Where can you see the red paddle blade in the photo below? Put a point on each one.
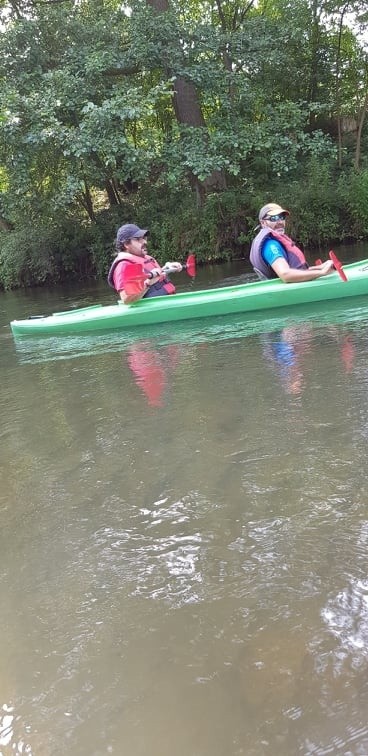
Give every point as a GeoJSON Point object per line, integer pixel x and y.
{"type": "Point", "coordinates": [190, 265]}
{"type": "Point", "coordinates": [338, 266]}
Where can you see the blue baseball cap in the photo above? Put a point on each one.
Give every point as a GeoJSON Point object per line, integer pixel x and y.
{"type": "Point", "coordinates": [129, 231]}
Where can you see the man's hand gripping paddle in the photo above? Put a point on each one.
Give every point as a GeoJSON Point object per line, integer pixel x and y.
{"type": "Point", "coordinates": [337, 265]}
{"type": "Point", "coordinates": [134, 278]}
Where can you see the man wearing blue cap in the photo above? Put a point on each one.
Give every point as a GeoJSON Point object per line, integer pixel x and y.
{"type": "Point", "coordinates": [134, 273]}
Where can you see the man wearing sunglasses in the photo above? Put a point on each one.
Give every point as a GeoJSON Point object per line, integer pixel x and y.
{"type": "Point", "coordinates": [274, 255]}
{"type": "Point", "coordinates": [134, 273]}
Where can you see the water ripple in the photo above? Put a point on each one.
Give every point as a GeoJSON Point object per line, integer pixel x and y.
{"type": "Point", "coordinates": [346, 616]}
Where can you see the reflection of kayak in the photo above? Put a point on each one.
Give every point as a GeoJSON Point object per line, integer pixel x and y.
{"type": "Point", "coordinates": [193, 332]}
{"type": "Point", "coordinates": [253, 298]}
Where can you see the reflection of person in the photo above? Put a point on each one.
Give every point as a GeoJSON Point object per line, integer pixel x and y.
{"type": "Point", "coordinates": [131, 247]}
{"type": "Point", "coordinates": [290, 349]}
{"type": "Point", "coordinates": [273, 254]}
{"type": "Point", "coordinates": [152, 369]}
{"type": "Point", "coordinates": [287, 350]}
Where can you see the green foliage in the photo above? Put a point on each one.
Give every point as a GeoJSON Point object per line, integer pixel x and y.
{"type": "Point", "coordinates": [25, 258]}
{"type": "Point", "coordinates": [90, 138]}
{"type": "Point", "coordinates": [353, 189]}
{"type": "Point", "coordinates": [35, 256]}
{"type": "Point", "coordinates": [216, 231]}
{"type": "Point", "coordinates": [315, 204]}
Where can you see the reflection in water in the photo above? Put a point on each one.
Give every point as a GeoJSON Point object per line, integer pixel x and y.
{"type": "Point", "coordinates": [6, 725]}
{"type": "Point", "coordinates": [346, 615]}
{"type": "Point", "coordinates": [347, 352]}
{"type": "Point", "coordinates": [152, 368]}
{"type": "Point", "coordinates": [8, 735]}
{"type": "Point", "coordinates": [290, 350]}
{"type": "Point", "coordinates": [287, 350]}
{"type": "Point", "coordinates": [164, 555]}
{"type": "Point", "coordinates": [212, 329]}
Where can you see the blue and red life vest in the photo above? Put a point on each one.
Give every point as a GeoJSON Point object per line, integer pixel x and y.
{"type": "Point", "coordinates": [160, 288]}
{"type": "Point", "coordinates": [293, 255]}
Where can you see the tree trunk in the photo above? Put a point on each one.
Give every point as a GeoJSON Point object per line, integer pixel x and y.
{"type": "Point", "coordinates": [337, 87]}
{"type": "Point", "coordinates": [188, 113]}
{"type": "Point", "coordinates": [112, 192]}
{"type": "Point", "coordinates": [230, 24]}
{"type": "Point", "coordinates": [186, 104]}
{"type": "Point", "coordinates": [5, 225]}
{"type": "Point", "coordinates": [313, 76]}
{"type": "Point", "coordinates": [86, 201]}
{"type": "Point", "coordinates": [362, 115]}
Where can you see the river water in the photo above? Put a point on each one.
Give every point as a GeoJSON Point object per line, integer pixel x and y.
{"type": "Point", "coordinates": [184, 535]}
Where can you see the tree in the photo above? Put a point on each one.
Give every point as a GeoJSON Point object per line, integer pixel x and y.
{"type": "Point", "coordinates": [106, 109]}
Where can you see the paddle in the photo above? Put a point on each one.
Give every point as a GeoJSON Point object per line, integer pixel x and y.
{"type": "Point", "coordinates": [189, 266]}
{"type": "Point", "coordinates": [134, 277]}
{"type": "Point", "coordinates": [338, 266]}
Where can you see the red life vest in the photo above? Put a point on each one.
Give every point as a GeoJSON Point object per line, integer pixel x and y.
{"type": "Point", "coordinates": [161, 287]}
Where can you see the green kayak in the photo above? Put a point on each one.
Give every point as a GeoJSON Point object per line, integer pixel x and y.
{"type": "Point", "coordinates": [254, 297]}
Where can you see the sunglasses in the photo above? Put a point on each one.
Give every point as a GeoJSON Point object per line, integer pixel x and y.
{"type": "Point", "coordinates": [274, 218]}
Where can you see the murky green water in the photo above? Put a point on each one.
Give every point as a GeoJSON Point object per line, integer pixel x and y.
{"type": "Point", "coordinates": [184, 538]}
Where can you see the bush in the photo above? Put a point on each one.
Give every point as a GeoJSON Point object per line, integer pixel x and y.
{"type": "Point", "coordinates": [25, 258]}
{"type": "Point", "coordinates": [31, 256]}
{"type": "Point", "coordinates": [353, 189]}
{"type": "Point", "coordinates": [215, 232]}
{"type": "Point", "coordinates": [315, 205]}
